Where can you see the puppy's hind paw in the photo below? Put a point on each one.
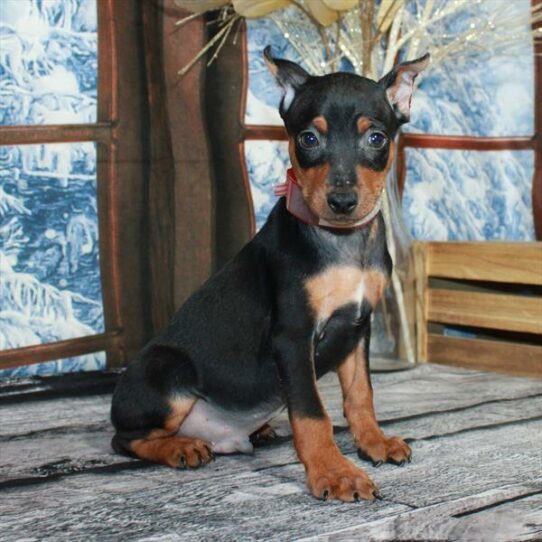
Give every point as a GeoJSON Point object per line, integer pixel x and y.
{"type": "Point", "coordinates": [264, 435]}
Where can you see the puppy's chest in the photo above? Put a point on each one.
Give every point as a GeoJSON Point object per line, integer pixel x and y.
{"type": "Point", "coordinates": [338, 286]}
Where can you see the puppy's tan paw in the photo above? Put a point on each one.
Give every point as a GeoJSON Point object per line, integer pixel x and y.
{"type": "Point", "coordinates": [381, 449]}
{"type": "Point", "coordinates": [342, 481]}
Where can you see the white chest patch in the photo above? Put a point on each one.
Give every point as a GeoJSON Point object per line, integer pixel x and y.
{"type": "Point", "coordinates": [335, 287]}
{"type": "Point", "coordinates": [227, 431]}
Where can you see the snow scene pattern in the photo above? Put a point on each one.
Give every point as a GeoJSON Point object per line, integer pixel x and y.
{"type": "Point", "coordinates": [49, 258]}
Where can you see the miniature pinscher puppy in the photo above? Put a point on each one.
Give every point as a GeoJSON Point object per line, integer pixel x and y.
{"type": "Point", "coordinates": [294, 304]}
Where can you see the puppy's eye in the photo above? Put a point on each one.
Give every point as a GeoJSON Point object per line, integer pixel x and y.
{"type": "Point", "coordinates": [377, 140]}
{"type": "Point", "coordinates": [308, 140]}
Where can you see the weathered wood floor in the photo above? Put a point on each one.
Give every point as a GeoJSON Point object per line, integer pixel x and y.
{"type": "Point", "coordinates": [476, 472]}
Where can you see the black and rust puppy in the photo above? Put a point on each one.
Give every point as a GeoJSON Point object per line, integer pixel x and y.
{"type": "Point", "coordinates": [294, 304]}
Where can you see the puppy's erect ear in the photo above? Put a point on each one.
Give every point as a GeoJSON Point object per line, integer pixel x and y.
{"type": "Point", "coordinates": [289, 75]}
{"type": "Point", "coordinates": [399, 84]}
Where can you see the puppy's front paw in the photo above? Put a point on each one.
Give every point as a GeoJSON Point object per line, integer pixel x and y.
{"type": "Point", "coordinates": [381, 449]}
{"type": "Point", "coordinates": [341, 480]}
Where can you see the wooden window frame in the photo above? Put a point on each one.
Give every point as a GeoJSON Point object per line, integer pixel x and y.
{"type": "Point", "coordinates": [116, 141]}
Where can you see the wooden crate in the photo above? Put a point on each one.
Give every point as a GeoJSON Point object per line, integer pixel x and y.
{"type": "Point", "coordinates": [489, 291]}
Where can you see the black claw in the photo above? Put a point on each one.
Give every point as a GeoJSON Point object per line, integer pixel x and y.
{"type": "Point", "coordinates": [325, 495]}
{"type": "Point", "coordinates": [356, 496]}
{"type": "Point", "coordinates": [211, 453]}
{"type": "Point", "coordinates": [377, 495]}
{"type": "Point", "coordinates": [365, 457]}
{"type": "Point", "coordinates": [409, 459]}
{"type": "Point", "coordinates": [183, 462]}
{"type": "Point", "coordinates": [398, 463]}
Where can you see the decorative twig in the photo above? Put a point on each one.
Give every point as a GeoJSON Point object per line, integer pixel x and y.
{"type": "Point", "coordinates": [225, 30]}
{"type": "Point", "coordinates": [336, 55]}
{"type": "Point", "coordinates": [188, 18]}
{"type": "Point", "coordinates": [321, 30]}
{"type": "Point", "coordinates": [228, 28]}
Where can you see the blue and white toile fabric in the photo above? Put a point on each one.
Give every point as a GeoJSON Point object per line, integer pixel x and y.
{"type": "Point", "coordinates": [449, 195]}
{"type": "Point", "coordinates": [49, 261]}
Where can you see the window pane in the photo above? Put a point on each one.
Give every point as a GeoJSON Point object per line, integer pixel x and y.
{"type": "Point", "coordinates": [88, 362]}
{"type": "Point", "coordinates": [48, 62]}
{"type": "Point", "coordinates": [49, 257]}
{"type": "Point", "coordinates": [467, 195]}
{"type": "Point", "coordinates": [267, 162]}
{"type": "Point", "coordinates": [486, 94]}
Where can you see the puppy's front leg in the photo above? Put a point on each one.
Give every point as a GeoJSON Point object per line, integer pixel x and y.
{"type": "Point", "coordinates": [372, 443]}
{"type": "Point", "coordinates": [330, 475]}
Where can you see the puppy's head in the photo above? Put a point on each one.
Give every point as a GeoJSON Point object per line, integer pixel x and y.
{"type": "Point", "coordinates": [341, 129]}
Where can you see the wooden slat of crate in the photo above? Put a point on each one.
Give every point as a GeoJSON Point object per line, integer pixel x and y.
{"type": "Point", "coordinates": [505, 357]}
{"type": "Point", "coordinates": [494, 311]}
{"type": "Point", "coordinates": [517, 263]}
{"type": "Point", "coordinates": [420, 252]}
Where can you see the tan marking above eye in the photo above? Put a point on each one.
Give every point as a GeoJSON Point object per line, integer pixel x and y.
{"type": "Point", "coordinates": [363, 124]}
{"type": "Point", "coordinates": [320, 123]}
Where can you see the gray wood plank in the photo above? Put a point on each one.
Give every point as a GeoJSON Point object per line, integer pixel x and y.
{"type": "Point", "coordinates": [430, 388]}
{"type": "Point", "coordinates": [462, 464]}
{"type": "Point", "coordinates": [88, 447]}
{"type": "Point", "coordinates": [520, 519]}
{"type": "Point", "coordinates": [405, 393]}
{"type": "Point", "coordinates": [75, 447]}
{"type": "Point", "coordinates": [504, 514]}
{"type": "Point", "coordinates": [473, 434]}
{"type": "Point", "coordinates": [247, 506]}
{"type": "Point", "coordinates": [268, 502]}
{"type": "Point", "coordinates": [38, 416]}
{"type": "Point", "coordinates": [14, 390]}
{"type": "Point", "coordinates": [465, 463]}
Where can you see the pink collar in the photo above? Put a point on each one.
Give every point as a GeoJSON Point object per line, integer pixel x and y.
{"type": "Point", "coordinates": [295, 203]}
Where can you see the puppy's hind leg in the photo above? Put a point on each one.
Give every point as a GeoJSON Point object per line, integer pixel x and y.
{"type": "Point", "coordinates": [162, 445]}
{"type": "Point", "coordinates": [151, 401]}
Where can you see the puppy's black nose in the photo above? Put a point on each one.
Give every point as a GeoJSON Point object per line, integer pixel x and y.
{"type": "Point", "coordinates": [342, 202]}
